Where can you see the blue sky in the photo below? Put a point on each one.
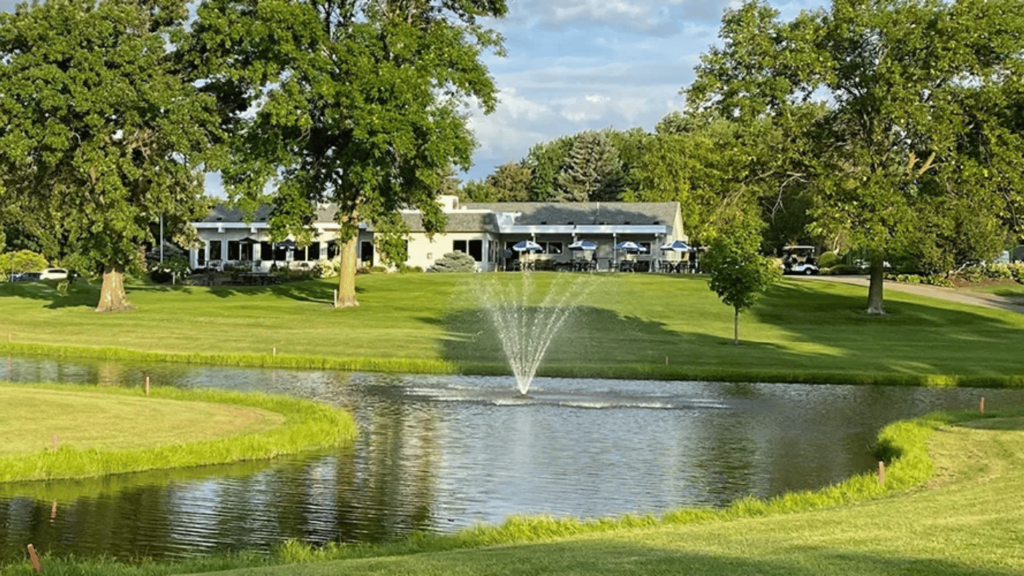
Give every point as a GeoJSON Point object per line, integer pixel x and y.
{"type": "Point", "coordinates": [575, 65]}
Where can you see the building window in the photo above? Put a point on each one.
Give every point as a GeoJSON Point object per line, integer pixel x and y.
{"type": "Point", "coordinates": [313, 251]}
{"type": "Point", "coordinates": [459, 246]}
{"type": "Point", "coordinates": [266, 251]}
{"type": "Point", "coordinates": [201, 257]}
{"type": "Point", "coordinates": [234, 250]}
{"type": "Point", "coordinates": [552, 247]}
{"type": "Point", "coordinates": [646, 246]}
{"type": "Point", "coordinates": [476, 250]}
{"type": "Point", "coordinates": [332, 249]}
{"type": "Point", "coordinates": [215, 250]}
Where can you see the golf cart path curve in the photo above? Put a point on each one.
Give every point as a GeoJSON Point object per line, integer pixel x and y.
{"type": "Point", "coordinates": [951, 294]}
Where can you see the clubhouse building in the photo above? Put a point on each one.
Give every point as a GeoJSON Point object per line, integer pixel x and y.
{"type": "Point", "coordinates": [485, 231]}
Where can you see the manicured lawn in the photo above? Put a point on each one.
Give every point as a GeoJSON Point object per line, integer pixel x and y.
{"type": "Point", "coordinates": [1008, 289]}
{"type": "Point", "coordinates": [102, 431]}
{"type": "Point", "coordinates": [30, 417]}
{"type": "Point", "coordinates": [636, 325]}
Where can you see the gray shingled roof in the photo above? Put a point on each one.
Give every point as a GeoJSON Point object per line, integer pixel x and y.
{"type": "Point", "coordinates": [225, 213]}
{"type": "Point", "coordinates": [457, 222]}
{"type": "Point", "coordinates": [586, 213]}
{"type": "Point", "coordinates": [475, 218]}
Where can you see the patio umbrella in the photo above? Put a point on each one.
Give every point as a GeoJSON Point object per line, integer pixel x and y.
{"type": "Point", "coordinates": [288, 244]}
{"type": "Point", "coordinates": [582, 245]}
{"type": "Point", "coordinates": [527, 246]}
{"type": "Point", "coordinates": [675, 246]}
{"type": "Point", "coordinates": [629, 247]}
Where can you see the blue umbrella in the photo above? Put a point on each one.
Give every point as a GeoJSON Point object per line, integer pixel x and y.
{"type": "Point", "coordinates": [583, 245]}
{"type": "Point", "coordinates": [676, 246]}
{"type": "Point", "coordinates": [527, 246]}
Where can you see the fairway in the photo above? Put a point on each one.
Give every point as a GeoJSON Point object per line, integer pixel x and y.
{"type": "Point", "coordinates": [623, 326]}
{"type": "Point", "coordinates": [29, 418]}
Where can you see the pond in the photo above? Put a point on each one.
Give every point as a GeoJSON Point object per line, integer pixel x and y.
{"type": "Point", "coordinates": [438, 453]}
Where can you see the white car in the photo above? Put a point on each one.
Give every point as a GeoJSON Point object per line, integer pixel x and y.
{"type": "Point", "coordinates": [53, 274]}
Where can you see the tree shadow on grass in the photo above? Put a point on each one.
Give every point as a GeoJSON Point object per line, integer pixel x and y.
{"type": "Point", "coordinates": [612, 557]}
{"type": "Point", "coordinates": [796, 328]}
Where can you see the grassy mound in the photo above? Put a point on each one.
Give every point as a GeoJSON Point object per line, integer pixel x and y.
{"type": "Point", "coordinates": [103, 431]}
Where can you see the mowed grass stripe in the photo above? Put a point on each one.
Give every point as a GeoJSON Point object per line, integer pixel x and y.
{"type": "Point", "coordinates": [624, 326]}
{"type": "Point", "coordinates": [29, 418]}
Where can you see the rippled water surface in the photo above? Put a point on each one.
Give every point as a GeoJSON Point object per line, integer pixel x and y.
{"type": "Point", "coordinates": [440, 453]}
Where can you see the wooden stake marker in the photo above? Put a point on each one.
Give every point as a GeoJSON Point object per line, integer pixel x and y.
{"type": "Point", "coordinates": [53, 509]}
{"type": "Point", "coordinates": [35, 559]}
{"type": "Point", "coordinates": [56, 442]}
{"type": "Point", "coordinates": [275, 350]}
{"type": "Point", "coordinates": [881, 473]}
{"type": "Point", "coordinates": [147, 385]}
{"type": "Point", "coordinates": [981, 406]}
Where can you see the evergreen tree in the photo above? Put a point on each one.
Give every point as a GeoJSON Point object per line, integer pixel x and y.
{"type": "Point", "coordinates": [592, 171]}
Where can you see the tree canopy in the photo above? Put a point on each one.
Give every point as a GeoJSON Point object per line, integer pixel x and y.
{"type": "Point", "coordinates": [914, 136]}
{"type": "Point", "coordinates": [353, 102]}
{"type": "Point", "coordinates": [101, 130]}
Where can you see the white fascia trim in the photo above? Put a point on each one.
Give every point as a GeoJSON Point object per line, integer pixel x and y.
{"type": "Point", "coordinates": [231, 225]}
{"type": "Point", "coordinates": [607, 229]}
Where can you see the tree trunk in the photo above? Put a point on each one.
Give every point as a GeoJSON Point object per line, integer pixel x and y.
{"type": "Point", "coordinates": [347, 274]}
{"type": "Point", "coordinates": [112, 294]}
{"type": "Point", "coordinates": [876, 305]}
{"type": "Point", "coordinates": [736, 326]}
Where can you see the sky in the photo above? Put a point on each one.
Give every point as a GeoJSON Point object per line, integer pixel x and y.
{"type": "Point", "coordinates": [575, 65]}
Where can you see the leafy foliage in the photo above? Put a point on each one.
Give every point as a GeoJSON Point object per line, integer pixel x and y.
{"type": "Point", "coordinates": [101, 130]}
{"type": "Point", "coordinates": [353, 103]}
{"type": "Point", "coordinates": [915, 153]}
{"type": "Point", "coordinates": [20, 261]}
{"type": "Point", "coordinates": [739, 274]}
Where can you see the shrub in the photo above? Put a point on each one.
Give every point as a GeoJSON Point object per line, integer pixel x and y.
{"type": "Point", "coordinates": [404, 268]}
{"type": "Point", "coordinates": [19, 262]}
{"type": "Point", "coordinates": [828, 260]}
{"type": "Point", "coordinates": [841, 270]}
{"type": "Point", "coordinates": [168, 270]}
{"type": "Point", "coordinates": [1017, 271]}
{"type": "Point", "coordinates": [455, 262]}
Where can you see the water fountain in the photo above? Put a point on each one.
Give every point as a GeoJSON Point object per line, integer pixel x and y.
{"type": "Point", "coordinates": [525, 326]}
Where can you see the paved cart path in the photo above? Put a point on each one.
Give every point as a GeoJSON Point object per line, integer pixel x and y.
{"type": "Point", "coordinates": [950, 294]}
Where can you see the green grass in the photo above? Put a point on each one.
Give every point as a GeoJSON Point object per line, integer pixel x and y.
{"type": "Point", "coordinates": [1008, 289]}
{"type": "Point", "coordinates": [116, 430]}
{"type": "Point", "coordinates": [628, 326]}
{"type": "Point", "coordinates": [950, 506]}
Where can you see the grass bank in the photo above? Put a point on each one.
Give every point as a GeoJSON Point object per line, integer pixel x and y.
{"type": "Point", "coordinates": [949, 506]}
{"type": "Point", "coordinates": [113, 431]}
{"type": "Point", "coordinates": [624, 326]}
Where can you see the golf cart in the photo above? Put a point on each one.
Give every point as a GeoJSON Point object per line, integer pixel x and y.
{"type": "Point", "coordinates": [799, 260]}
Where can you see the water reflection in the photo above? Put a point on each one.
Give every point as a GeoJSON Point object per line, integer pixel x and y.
{"type": "Point", "coordinates": [440, 453]}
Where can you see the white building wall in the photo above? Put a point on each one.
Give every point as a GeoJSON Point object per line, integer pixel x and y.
{"type": "Point", "coordinates": [424, 251]}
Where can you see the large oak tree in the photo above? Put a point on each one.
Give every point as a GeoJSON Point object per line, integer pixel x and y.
{"type": "Point", "coordinates": [101, 131]}
{"type": "Point", "coordinates": [354, 102]}
{"type": "Point", "coordinates": [913, 129]}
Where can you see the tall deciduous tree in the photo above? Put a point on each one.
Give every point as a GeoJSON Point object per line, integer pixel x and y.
{"type": "Point", "coordinates": [101, 131]}
{"type": "Point", "coordinates": [355, 102]}
{"type": "Point", "coordinates": [911, 87]}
